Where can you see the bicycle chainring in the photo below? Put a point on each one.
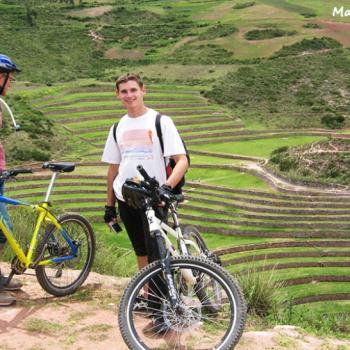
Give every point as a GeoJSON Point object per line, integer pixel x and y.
{"type": "Point", "coordinates": [17, 266]}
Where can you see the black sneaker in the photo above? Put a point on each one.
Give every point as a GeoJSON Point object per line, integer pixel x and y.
{"type": "Point", "coordinates": [12, 286]}
{"type": "Point", "coordinates": [157, 327]}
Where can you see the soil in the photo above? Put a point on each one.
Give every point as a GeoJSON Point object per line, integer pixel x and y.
{"type": "Point", "coordinates": [91, 12]}
{"type": "Point", "coordinates": [338, 30]}
{"type": "Point", "coordinates": [88, 320]}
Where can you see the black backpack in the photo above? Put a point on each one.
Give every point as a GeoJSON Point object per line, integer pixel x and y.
{"type": "Point", "coordinates": [171, 165]}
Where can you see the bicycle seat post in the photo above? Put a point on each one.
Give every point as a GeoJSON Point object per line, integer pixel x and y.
{"type": "Point", "coordinates": [49, 189]}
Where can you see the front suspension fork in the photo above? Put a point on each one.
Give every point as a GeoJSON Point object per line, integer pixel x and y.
{"type": "Point", "coordinates": [165, 260]}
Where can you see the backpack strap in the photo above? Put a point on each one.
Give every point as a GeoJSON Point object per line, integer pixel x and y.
{"type": "Point", "coordinates": [115, 131]}
{"type": "Point", "coordinates": [159, 132]}
{"type": "Point", "coordinates": [160, 135]}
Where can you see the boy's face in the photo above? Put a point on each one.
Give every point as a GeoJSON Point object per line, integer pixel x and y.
{"type": "Point", "coordinates": [131, 94]}
{"type": "Point", "coordinates": [8, 83]}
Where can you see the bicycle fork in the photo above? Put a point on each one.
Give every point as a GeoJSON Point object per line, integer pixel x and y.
{"type": "Point", "coordinates": [164, 256]}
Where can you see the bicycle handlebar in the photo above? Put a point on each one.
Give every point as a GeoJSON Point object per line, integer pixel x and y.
{"type": "Point", "coordinates": [6, 174]}
{"type": "Point", "coordinates": [152, 184]}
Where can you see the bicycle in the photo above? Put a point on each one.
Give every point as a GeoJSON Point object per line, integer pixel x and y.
{"type": "Point", "coordinates": [182, 290]}
{"type": "Point", "coordinates": [61, 250]}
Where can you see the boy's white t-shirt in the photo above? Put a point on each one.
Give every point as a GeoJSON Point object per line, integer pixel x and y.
{"type": "Point", "coordinates": [138, 144]}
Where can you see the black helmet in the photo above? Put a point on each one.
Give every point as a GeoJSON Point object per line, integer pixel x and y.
{"type": "Point", "coordinates": [7, 65]}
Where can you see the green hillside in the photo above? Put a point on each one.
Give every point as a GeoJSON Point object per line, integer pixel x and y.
{"type": "Point", "coordinates": [246, 82]}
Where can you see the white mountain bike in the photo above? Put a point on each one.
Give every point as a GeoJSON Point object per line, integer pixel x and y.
{"type": "Point", "coordinates": [193, 302]}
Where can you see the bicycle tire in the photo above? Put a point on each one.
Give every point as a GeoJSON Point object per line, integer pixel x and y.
{"type": "Point", "coordinates": [202, 333]}
{"type": "Point", "coordinates": [207, 291]}
{"type": "Point", "coordinates": [64, 278]}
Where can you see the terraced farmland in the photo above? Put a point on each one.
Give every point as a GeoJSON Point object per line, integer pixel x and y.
{"type": "Point", "coordinates": [301, 234]}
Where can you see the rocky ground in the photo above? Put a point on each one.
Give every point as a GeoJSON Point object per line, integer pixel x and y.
{"type": "Point", "coordinates": [88, 320]}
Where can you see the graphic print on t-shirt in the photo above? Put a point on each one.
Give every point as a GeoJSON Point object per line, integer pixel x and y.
{"type": "Point", "coordinates": [136, 144]}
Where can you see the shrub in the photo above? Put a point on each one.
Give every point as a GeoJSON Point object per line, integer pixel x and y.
{"type": "Point", "coordinates": [260, 290]}
{"type": "Point", "coordinates": [315, 44]}
{"type": "Point", "coordinates": [312, 26]}
{"type": "Point", "coordinates": [261, 34]}
{"type": "Point", "coordinates": [333, 121]}
{"type": "Point", "coordinates": [243, 5]}
{"type": "Point", "coordinates": [218, 31]}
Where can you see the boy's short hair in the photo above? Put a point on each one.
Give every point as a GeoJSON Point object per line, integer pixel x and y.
{"type": "Point", "coordinates": [130, 76]}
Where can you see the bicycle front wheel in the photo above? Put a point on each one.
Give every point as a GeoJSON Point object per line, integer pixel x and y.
{"type": "Point", "coordinates": [71, 252]}
{"type": "Point", "coordinates": [189, 326]}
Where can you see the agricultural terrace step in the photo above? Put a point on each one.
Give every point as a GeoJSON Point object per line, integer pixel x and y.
{"type": "Point", "coordinates": [321, 297]}
{"type": "Point", "coordinates": [150, 90]}
{"type": "Point", "coordinates": [270, 132]}
{"type": "Point", "coordinates": [229, 122]}
{"type": "Point", "coordinates": [226, 155]}
{"type": "Point", "coordinates": [276, 210]}
{"type": "Point", "coordinates": [282, 224]}
{"type": "Point", "coordinates": [114, 117]}
{"type": "Point", "coordinates": [111, 89]}
{"type": "Point", "coordinates": [257, 137]}
{"type": "Point", "coordinates": [61, 100]}
{"type": "Point", "coordinates": [295, 265]}
{"type": "Point", "coordinates": [270, 256]}
{"type": "Point", "coordinates": [198, 130]}
{"type": "Point", "coordinates": [58, 192]}
{"type": "Point", "coordinates": [274, 202]}
{"type": "Point", "coordinates": [274, 234]}
{"type": "Point", "coordinates": [314, 279]}
{"type": "Point", "coordinates": [30, 186]}
{"type": "Point", "coordinates": [118, 108]}
{"type": "Point", "coordinates": [284, 244]}
{"type": "Point", "coordinates": [61, 176]}
{"type": "Point", "coordinates": [310, 218]}
{"type": "Point", "coordinates": [297, 195]}
{"type": "Point", "coordinates": [120, 112]}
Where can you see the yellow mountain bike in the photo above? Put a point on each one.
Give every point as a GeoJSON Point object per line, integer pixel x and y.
{"type": "Point", "coordinates": [61, 250]}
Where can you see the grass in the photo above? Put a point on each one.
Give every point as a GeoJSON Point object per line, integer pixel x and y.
{"type": "Point", "coordinates": [331, 318]}
{"type": "Point", "coordinates": [257, 148]}
{"type": "Point", "coordinates": [42, 326]}
{"type": "Point", "coordinates": [229, 178]}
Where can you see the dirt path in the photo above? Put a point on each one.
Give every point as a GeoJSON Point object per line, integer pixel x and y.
{"type": "Point", "coordinates": [88, 321]}
{"type": "Point", "coordinates": [283, 184]}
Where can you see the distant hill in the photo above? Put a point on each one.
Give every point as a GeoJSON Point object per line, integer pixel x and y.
{"type": "Point", "coordinates": [65, 40]}
{"type": "Point", "coordinates": [291, 92]}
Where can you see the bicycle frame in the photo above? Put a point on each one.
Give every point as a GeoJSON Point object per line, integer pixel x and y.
{"type": "Point", "coordinates": [45, 216]}
{"type": "Point", "coordinates": [176, 233]}
{"type": "Point", "coordinates": [157, 228]}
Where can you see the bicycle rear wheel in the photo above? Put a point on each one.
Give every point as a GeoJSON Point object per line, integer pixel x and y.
{"type": "Point", "coordinates": [189, 326]}
{"type": "Point", "coordinates": [208, 291]}
{"type": "Point", "coordinates": [71, 251]}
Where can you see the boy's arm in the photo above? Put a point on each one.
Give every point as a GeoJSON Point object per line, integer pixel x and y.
{"type": "Point", "coordinates": [111, 175]}
{"type": "Point", "coordinates": [179, 170]}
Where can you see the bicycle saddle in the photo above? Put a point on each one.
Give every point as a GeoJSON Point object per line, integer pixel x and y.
{"type": "Point", "coordinates": [59, 167]}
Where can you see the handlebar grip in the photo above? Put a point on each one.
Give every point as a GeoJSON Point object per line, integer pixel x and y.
{"type": "Point", "coordinates": [22, 171]}
{"type": "Point", "coordinates": [143, 172]}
